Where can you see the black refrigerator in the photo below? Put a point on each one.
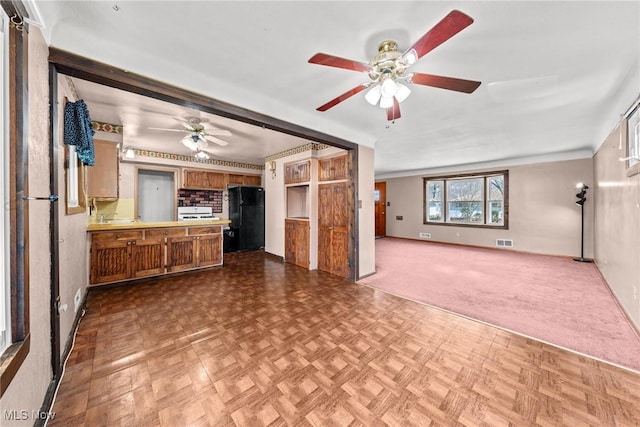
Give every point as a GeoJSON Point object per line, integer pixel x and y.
{"type": "Point", "coordinates": [246, 212]}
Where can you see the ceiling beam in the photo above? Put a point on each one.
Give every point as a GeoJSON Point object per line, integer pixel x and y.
{"type": "Point", "coordinates": [101, 73]}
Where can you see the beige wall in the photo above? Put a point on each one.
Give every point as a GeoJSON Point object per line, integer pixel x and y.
{"type": "Point", "coordinates": [543, 216]}
{"type": "Point", "coordinates": [72, 246]}
{"type": "Point", "coordinates": [366, 213]}
{"type": "Point", "coordinates": [28, 388]}
{"type": "Point", "coordinates": [617, 225]}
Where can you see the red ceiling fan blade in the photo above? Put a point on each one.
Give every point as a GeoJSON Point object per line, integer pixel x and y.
{"type": "Point", "coordinates": [451, 83]}
{"type": "Point", "coordinates": [334, 61]}
{"type": "Point", "coordinates": [448, 27]}
{"type": "Point", "coordinates": [393, 112]}
{"type": "Point", "coordinates": [348, 94]}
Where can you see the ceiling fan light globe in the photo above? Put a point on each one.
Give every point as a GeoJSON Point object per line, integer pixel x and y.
{"type": "Point", "coordinates": [386, 101]}
{"type": "Point", "coordinates": [389, 88]}
{"type": "Point", "coordinates": [374, 94]}
{"type": "Point", "coordinates": [190, 144]}
{"type": "Point", "coordinates": [402, 93]}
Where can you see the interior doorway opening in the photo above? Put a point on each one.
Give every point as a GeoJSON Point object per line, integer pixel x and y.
{"type": "Point", "coordinates": [156, 195]}
{"type": "Point", "coordinates": [380, 204]}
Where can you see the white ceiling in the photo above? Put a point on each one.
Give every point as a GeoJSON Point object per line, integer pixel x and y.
{"type": "Point", "coordinates": [138, 114]}
{"type": "Point", "coordinates": [555, 75]}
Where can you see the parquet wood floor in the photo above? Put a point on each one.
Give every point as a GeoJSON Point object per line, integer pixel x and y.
{"type": "Point", "coordinates": [262, 343]}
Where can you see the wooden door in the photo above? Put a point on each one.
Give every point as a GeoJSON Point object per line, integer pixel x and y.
{"type": "Point", "coordinates": [380, 202]}
{"type": "Point", "coordinates": [110, 261]}
{"type": "Point", "coordinates": [333, 229]}
{"type": "Point", "coordinates": [340, 231]}
{"type": "Point", "coordinates": [181, 253]}
{"type": "Point", "coordinates": [147, 257]}
{"type": "Point", "coordinates": [290, 241]}
{"type": "Point", "coordinates": [339, 252]}
{"type": "Point", "coordinates": [209, 250]}
{"type": "Point", "coordinates": [302, 243]}
{"type": "Point", "coordinates": [325, 222]}
{"type": "Point", "coordinates": [324, 170]}
{"type": "Point", "coordinates": [339, 166]}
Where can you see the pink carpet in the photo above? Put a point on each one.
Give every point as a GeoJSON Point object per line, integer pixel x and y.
{"type": "Point", "coordinates": [553, 299]}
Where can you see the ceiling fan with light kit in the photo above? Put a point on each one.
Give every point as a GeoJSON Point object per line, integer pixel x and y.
{"type": "Point", "coordinates": [198, 137]}
{"type": "Point", "coordinates": [387, 70]}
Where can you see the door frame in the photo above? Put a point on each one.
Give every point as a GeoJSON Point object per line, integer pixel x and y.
{"type": "Point", "coordinates": [174, 171]}
{"type": "Point", "coordinates": [384, 205]}
{"type": "Point", "coordinates": [105, 74]}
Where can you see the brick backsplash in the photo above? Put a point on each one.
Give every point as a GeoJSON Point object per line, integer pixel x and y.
{"type": "Point", "coordinates": [201, 198]}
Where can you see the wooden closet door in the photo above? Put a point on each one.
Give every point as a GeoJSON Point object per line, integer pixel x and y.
{"type": "Point", "coordinates": [333, 226]}
{"type": "Point", "coordinates": [340, 231]}
{"type": "Point", "coordinates": [325, 221]}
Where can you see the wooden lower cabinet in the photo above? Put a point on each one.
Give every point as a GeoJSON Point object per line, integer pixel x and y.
{"type": "Point", "coordinates": [116, 260]}
{"type": "Point", "coordinates": [209, 250]}
{"type": "Point", "coordinates": [296, 246]}
{"type": "Point", "coordinates": [333, 229]}
{"type": "Point", "coordinates": [181, 254]}
{"type": "Point", "coordinates": [147, 257]}
{"type": "Point", "coordinates": [194, 251]}
{"type": "Point", "coordinates": [110, 261]}
{"type": "Point", "coordinates": [119, 256]}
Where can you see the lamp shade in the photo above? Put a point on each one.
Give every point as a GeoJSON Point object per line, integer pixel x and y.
{"type": "Point", "coordinates": [389, 88]}
{"type": "Point", "coordinates": [373, 96]}
{"type": "Point", "coordinates": [402, 93]}
{"type": "Point", "coordinates": [190, 143]}
{"type": "Point", "coordinates": [386, 101]}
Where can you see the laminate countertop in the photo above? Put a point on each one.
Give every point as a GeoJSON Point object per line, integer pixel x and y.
{"type": "Point", "coordinates": [138, 225]}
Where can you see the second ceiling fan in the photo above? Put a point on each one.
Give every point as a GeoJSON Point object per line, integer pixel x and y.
{"type": "Point", "coordinates": [388, 68]}
{"type": "Point", "coordinates": [197, 138]}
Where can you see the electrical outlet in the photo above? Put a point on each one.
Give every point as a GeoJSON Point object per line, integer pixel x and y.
{"type": "Point", "coordinates": [76, 301]}
{"type": "Point", "coordinates": [425, 235]}
{"type": "Point", "coordinates": [635, 293]}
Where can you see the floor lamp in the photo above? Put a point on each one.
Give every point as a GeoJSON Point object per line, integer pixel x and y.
{"type": "Point", "coordinates": [582, 197]}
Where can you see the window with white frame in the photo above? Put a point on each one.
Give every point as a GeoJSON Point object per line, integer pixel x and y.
{"type": "Point", "coordinates": [5, 289]}
{"type": "Point", "coordinates": [469, 200]}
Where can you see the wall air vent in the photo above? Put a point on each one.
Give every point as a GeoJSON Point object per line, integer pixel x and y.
{"type": "Point", "coordinates": [504, 243]}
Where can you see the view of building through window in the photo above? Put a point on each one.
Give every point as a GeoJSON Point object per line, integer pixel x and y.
{"type": "Point", "coordinates": [471, 199]}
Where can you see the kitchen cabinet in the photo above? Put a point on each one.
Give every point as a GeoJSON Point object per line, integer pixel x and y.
{"type": "Point", "coordinates": [297, 172]}
{"type": "Point", "coordinates": [333, 229]}
{"type": "Point", "coordinates": [103, 176]}
{"type": "Point", "coordinates": [130, 254]}
{"type": "Point", "coordinates": [333, 169]}
{"type": "Point", "coordinates": [125, 255]}
{"type": "Point", "coordinates": [202, 247]}
{"type": "Point", "coordinates": [200, 179]}
{"type": "Point", "coordinates": [235, 179]}
{"type": "Point", "coordinates": [296, 250]}
{"type": "Point", "coordinates": [251, 180]}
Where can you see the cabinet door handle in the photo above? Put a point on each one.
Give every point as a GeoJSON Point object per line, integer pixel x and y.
{"type": "Point", "coordinates": [133, 243]}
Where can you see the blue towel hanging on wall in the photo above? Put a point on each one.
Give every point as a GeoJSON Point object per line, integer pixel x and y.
{"type": "Point", "coordinates": [78, 130]}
